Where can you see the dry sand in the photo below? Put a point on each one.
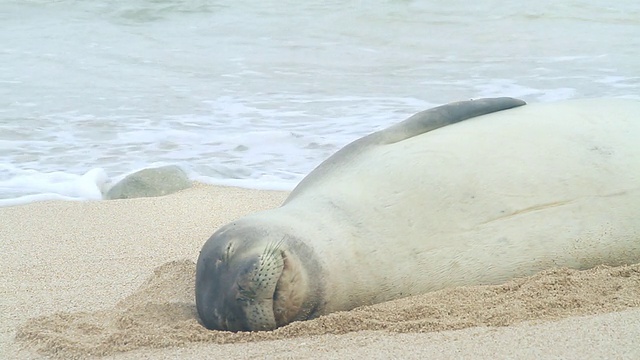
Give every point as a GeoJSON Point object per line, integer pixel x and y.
{"type": "Point", "coordinates": [114, 279]}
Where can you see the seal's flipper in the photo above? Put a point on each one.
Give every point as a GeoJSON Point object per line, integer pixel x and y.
{"type": "Point", "coordinates": [417, 124]}
{"type": "Point", "coordinates": [444, 115]}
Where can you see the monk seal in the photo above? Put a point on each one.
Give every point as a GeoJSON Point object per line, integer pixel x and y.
{"type": "Point", "coordinates": [474, 192]}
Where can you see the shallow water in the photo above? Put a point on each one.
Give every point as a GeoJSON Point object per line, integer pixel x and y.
{"type": "Point", "coordinates": [257, 94]}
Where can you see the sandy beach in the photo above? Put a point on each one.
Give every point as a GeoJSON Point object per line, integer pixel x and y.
{"type": "Point", "coordinates": [114, 279]}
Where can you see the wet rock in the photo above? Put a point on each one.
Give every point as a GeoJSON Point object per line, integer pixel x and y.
{"type": "Point", "coordinates": [149, 183]}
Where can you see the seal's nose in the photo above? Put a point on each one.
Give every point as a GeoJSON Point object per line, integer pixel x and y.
{"type": "Point", "coordinates": [218, 306]}
{"type": "Point", "coordinates": [205, 294]}
{"type": "Point", "coordinates": [218, 301]}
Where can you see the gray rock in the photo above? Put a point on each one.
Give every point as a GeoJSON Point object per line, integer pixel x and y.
{"type": "Point", "coordinates": [149, 183]}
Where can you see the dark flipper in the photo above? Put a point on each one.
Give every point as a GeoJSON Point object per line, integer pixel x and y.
{"type": "Point", "coordinates": [444, 115]}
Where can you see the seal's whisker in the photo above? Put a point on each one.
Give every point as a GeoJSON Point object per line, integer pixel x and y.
{"type": "Point", "coordinates": [269, 266]}
{"type": "Point", "coordinates": [272, 249]}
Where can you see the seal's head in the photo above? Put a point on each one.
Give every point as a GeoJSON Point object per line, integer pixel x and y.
{"type": "Point", "coordinates": [248, 278]}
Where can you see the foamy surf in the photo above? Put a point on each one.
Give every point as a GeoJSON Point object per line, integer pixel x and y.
{"type": "Point", "coordinates": [95, 183]}
{"type": "Point", "coordinates": [58, 185]}
{"type": "Point", "coordinates": [123, 86]}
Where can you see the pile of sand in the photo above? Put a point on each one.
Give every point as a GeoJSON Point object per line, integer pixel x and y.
{"type": "Point", "coordinates": [161, 313]}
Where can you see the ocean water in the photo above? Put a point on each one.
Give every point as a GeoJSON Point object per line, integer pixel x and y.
{"type": "Point", "coordinates": [257, 93]}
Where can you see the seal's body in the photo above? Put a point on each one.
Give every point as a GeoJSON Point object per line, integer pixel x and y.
{"type": "Point", "coordinates": [430, 203]}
